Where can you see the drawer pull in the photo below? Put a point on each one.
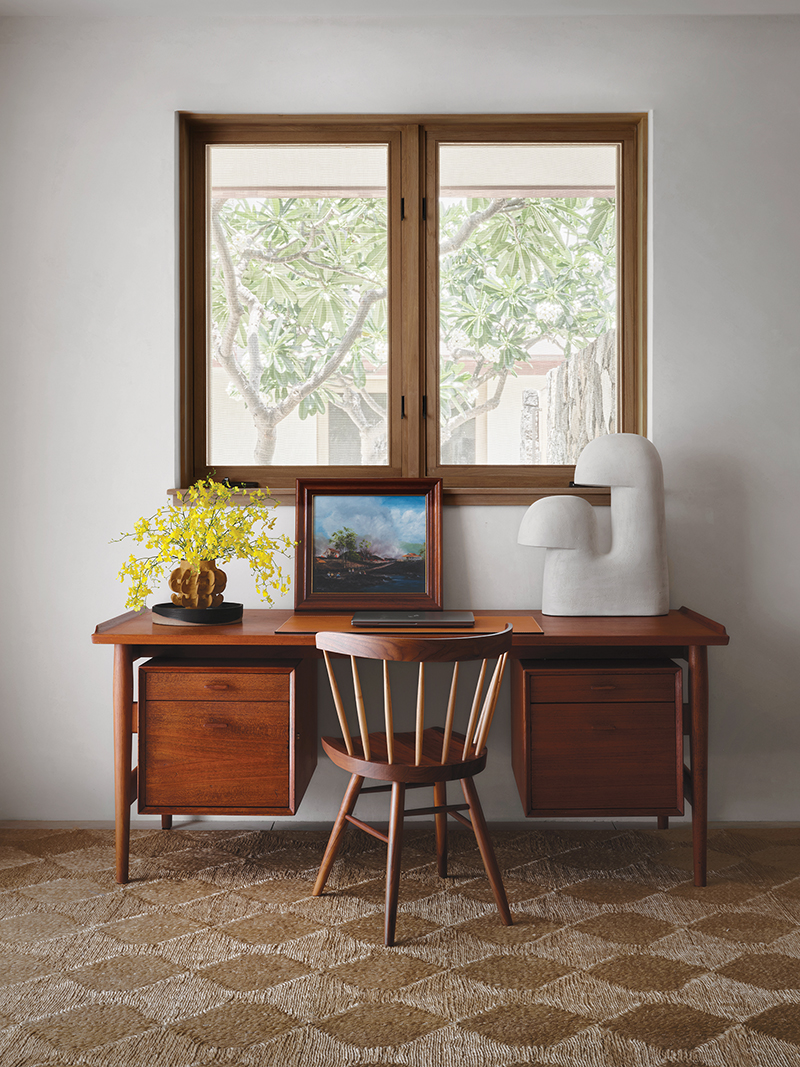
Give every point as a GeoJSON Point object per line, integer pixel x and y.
{"type": "Point", "coordinates": [216, 725]}
{"type": "Point", "coordinates": [218, 687]}
{"type": "Point", "coordinates": [598, 687]}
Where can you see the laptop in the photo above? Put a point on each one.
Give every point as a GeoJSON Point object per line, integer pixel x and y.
{"type": "Point", "coordinates": [447, 620]}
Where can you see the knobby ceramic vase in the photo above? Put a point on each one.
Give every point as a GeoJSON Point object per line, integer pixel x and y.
{"type": "Point", "coordinates": [197, 585]}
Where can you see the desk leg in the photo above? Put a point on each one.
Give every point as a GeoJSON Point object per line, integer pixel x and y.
{"type": "Point", "coordinates": [123, 733]}
{"type": "Point", "coordinates": [698, 701]}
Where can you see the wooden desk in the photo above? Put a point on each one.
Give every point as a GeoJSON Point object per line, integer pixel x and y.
{"type": "Point", "coordinates": [681, 634]}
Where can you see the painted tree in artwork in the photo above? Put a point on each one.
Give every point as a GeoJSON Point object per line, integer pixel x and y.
{"type": "Point", "coordinates": [346, 543]}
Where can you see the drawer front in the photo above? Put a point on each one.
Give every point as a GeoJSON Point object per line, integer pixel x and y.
{"type": "Point", "coordinates": [172, 684]}
{"type": "Point", "coordinates": [585, 756]}
{"type": "Point", "coordinates": [579, 687]}
{"type": "Point", "coordinates": [208, 754]}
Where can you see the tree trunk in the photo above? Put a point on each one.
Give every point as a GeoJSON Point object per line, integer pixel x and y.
{"type": "Point", "coordinates": [373, 444]}
{"type": "Point", "coordinates": [371, 426]}
{"type": "Point", "coordinates": [580, 397]}
{"type": "Point", "coordinates": [266, 440]}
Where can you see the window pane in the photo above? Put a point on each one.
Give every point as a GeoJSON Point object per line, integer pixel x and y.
{"type": "Point", "coordinates": [527, 301]}
{"type": "Point", "coordinates": [297, 280]}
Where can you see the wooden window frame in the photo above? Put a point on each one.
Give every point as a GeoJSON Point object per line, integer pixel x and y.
{"type": "Point", "coordinates": [413, 288]}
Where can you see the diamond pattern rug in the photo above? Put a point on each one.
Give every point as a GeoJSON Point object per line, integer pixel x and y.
{"type": "Point", "coordinates": [216, 952]}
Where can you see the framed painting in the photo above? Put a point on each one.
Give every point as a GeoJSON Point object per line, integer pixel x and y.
{"type": "Point", "coordinates": [369, 544]}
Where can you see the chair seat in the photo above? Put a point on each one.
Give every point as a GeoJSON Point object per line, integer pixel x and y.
{"type": "Point", "coordinates": [404, 769]}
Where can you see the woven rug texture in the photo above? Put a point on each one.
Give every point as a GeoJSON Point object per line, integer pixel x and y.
{"type": "Point", "coordinates": [216, 952]}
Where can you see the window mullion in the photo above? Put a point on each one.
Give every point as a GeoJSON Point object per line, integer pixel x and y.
{"type": "Point", "coordinates": [408, 287]}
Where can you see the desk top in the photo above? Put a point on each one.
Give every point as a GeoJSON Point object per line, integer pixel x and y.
{"type": "Point", "coordinates": [259, 626]}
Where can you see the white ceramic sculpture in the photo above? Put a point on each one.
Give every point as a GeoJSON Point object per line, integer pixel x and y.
{"type": "Point", "coordinates": [631, 578]}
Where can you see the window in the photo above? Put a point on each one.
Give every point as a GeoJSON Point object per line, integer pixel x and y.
{"type": "Point", "coordinates": [389, 296]}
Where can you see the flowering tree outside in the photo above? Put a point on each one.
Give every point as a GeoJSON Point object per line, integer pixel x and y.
{"type": "Point", "coordinates": [514, 273]}
{"type": "Point", "coordinates": [299, 288]}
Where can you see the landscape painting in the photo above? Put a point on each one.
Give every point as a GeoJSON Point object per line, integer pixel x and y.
{"type": "Point", "coordinates": [369, 544]}
{"type": "Point", "coordinates": [375, 544]}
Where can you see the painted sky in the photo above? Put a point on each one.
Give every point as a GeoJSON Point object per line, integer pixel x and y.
{"type": "Point", "coordinates": [384, 520]}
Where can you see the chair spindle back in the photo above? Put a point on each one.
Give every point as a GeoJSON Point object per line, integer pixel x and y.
{"type": "Point", "coordinates": [396, 648]}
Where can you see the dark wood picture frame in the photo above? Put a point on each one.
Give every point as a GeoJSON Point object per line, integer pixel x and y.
{"type": "Point", "coordinates": [317, 576]}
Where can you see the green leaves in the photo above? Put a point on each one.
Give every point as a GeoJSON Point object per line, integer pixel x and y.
{"type": "Point", "coordinates": [518, 271]}
{"type": "Point", "coordinates": [538, 269]}
{"type": "Point", "coordinates": [312, 405]}
{"type": "Point", "coordinates": [550, 254]}
{"type": "Point", "coordinates": [306, 261]}
{"type": "Point", "coordinates": [602, 214]}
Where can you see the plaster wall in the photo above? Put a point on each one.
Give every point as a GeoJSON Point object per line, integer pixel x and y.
{"type": "Point", "coordinates": [88, 340]}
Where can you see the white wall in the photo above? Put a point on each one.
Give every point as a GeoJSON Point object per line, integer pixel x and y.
{"type": "Point", "coordinates": [88, 332]}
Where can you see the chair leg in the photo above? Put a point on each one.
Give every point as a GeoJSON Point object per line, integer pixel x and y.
{"type": "Point", "coordinates": [393, 860]}
{"type": "Point", "coordinates": [487, 852]}
{"type": "Point", "coordinates": [339, 827]}
{"type": "Point", "coordinates": [439, 800]}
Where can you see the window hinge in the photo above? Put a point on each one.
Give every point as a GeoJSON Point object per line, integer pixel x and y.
{"type": "Point", "coordinates": [402, 407]}
{"type": "Point", "coordinates": [424, 406]}
{"type": "Point", "coordinates": [424, 209]}
{"type": "Point", "coordinates": [402, 208]}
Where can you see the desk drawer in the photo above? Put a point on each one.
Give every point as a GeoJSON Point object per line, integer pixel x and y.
{"type": "Point", "coordinates": [598, 737]}
{"type": "Point", "coordinates": [590, 684]}
{"type": "Point", "coordinates": [193, 684]}
{"type": "Point", "coordinates": [596, 757]}
{"type": "Point", "coordinates": [208, 754]}
{"type": "Point", "coordinates": [233, 737]}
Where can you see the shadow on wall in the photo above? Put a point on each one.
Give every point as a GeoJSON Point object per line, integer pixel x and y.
{"type": "Point", "coordinates": [727, 562]}
{"type": "Point", "coordinates": [483, 566]}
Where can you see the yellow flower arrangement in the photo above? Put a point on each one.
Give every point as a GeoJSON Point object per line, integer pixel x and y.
{"type": "Point", "coordinates": [205, 525]}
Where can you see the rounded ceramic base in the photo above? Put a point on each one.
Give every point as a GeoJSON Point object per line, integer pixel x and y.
{"type": "Point", "coordinates": [177, 616]}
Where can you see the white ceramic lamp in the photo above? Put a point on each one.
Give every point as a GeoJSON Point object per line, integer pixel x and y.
{"type": "Point", "coordinates": [631, 578]}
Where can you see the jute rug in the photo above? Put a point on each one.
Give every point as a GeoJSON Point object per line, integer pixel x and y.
{"type": "Point", "coordinates": [216, 953]}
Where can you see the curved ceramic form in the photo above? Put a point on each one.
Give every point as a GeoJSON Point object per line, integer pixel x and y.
{"type": "Point", "coordinates": [632, 577]}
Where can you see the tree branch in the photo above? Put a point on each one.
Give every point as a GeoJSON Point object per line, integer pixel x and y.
{"type": "Point", "coordinates": [349, 403]}
{"type": "Point", "coordinates": [283, 256]}
{"type": "Point", "coordinates": [502, 206]}
{"type": "Point", "coordinates": [229, 278]}
{"type": "Point", "coordinates": [299, 392]}
{"type": "Point", "coordinates": [226, 348]}
{"type": "Point", "coordinates": [257, 313]}
{"type": "Point", "coordinates": [372, 403]}
{"type": "Point", "coordinates": [346, 401]}
{"type": "Point", "coordinates": [466, 416]}
{"type": "Point", "coordinates": [250, 385]}
{"type": "Point", "coordinates": [338, 270]}
{"type": "Point", "coordinates": [253, 252]}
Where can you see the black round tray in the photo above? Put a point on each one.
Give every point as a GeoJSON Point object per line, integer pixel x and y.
{"type": "Point", "coordinates": [211, 616]}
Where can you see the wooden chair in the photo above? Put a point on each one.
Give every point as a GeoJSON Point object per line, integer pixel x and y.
{"type": "Point", "coordinates": [428, 756]}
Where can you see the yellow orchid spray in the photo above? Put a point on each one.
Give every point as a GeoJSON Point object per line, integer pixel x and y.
{"type": "Point", "coordinates": [205, 525]}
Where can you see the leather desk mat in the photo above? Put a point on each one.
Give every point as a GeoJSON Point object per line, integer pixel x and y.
{"type": "Point", "coordinates": [484, 624]}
